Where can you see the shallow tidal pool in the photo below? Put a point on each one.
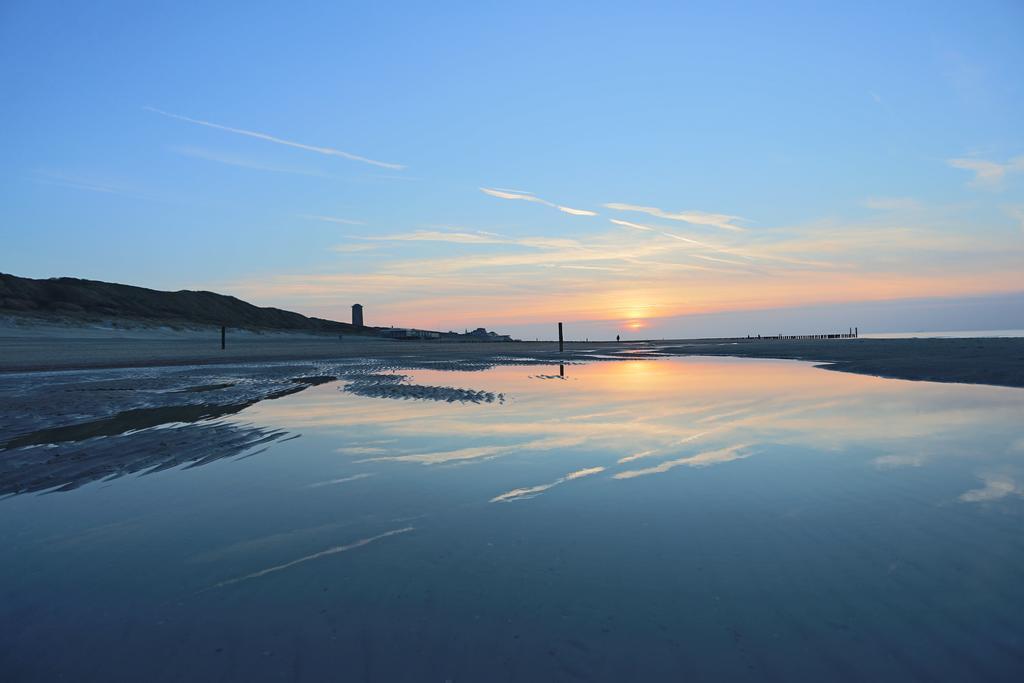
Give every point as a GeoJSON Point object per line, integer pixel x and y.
{"type": "Point", "coordinates": [671, 519]}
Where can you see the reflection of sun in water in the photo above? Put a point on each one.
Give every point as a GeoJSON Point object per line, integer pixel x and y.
{"type": "Point", "coordinates": [637, 375]}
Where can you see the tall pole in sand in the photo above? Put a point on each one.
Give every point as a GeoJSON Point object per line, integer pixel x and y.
{"type": "Point", "coordinates": [561, 345]}
{"type": "Point", "coordinates": [223, 330]}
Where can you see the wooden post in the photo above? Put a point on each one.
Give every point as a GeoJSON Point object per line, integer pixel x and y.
{"type": "Point", "coordinates": [561, 346]}
{"type": "Point", "coordinates": [561, 370]}
{"type": "Point", "coordinates": [223, 330]}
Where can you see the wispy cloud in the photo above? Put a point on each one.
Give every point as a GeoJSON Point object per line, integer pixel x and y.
{"type": "Point", "coordinates": [1017, 214]}
{"type": "Point", "coordinates": [717, 220]}
{"type": "Point", "coordinates": [74, 183]}
{"type": "Point", "coordinates": [441, 236]}
{"type": "Point", "coordinates": [499, 280]}
{"type": "Point", "coordinates": [352, 248]}
{"type": "Point", "coordinates": [87, 183]}
{"type": "Point", "coordinates": [988, 174]}
{"type": "Point", "coordinates": [576, 212]}
{"type": "Point", "coordinates": [329, 151]}
{"type": "Point", "coordinates": [672, 235]}
{"type": "Point", "coordinates": [530, 197]}
{"type": "Point", "coordinates": [476, 237]}
{"type": "Point", "coordinates": [607, 269]}
{"type": "Point", "coordinates": [232, 160]}
{"type": "Point", "coordinates": [763, 253]}
{"type": "Point", "coordinates": [715, 259]}
{"type": "Point", "coordinates": [635, 226]}
{"type": "Point", "coordinates": [892, 203]}
{"type": "Point", "coordinates": [330, 219]}
{"type": "Point", "coordinates": [689, 240]}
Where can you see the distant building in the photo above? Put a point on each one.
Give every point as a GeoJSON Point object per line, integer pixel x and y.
{"type": "Point", "coordinates": [477, 335]}
{"type": "Point", "coordinates": [408, 333]}
{"type": "Point", "coordinates": [483, 334]}
{"type": "Point", "coordinates": [357, 315]}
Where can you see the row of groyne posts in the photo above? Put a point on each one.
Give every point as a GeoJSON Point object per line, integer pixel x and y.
{"type": "Point", "coordinates": [852, 334]}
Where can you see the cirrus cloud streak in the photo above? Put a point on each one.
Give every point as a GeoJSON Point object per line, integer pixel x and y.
{"type": "Point", "coordinates": [329, 151]}
{"type": "Point", "coordinates": [530, 197]}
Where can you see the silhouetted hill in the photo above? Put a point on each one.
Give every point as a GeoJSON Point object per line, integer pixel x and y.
{"type": "Point", "coordinates": [66, 297]}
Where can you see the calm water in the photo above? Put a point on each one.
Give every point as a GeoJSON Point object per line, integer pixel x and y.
{"type": "Point", "coordinates": [645, 520]}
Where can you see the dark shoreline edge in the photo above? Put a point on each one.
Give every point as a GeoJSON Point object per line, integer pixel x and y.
{"type": "Point", "coordinates": [995, 361]}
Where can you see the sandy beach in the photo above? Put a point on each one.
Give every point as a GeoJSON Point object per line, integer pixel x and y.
{"type": "Point", "coordinates": [23, 348]}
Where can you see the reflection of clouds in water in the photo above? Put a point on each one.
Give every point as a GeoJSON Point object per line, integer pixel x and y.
{"type": "Point", "coordinates": [655, 451]}
{"type": "Point", "coordinates": [601, 415]}
{"type": "Point", "coordinates": [631, 411]}
{"type": "Point", "coordinates": [360, 450]}
{"type": "Point", "coordinates": [889, 462]}
{"type": "Point", "coordinates": [323, 553]}
{"type": "Point", "coordinates": [641, 454]}
{"type": "Point", "coordinates": [331, 482]}
{"type": "Point", "coordinates": [264, 543]}
{"type": "Point", "coordinates": [531, 491]}
{"type": "Point", "coordinates": [996, 486]}
{"type": "Point", "coordinates": [803, 420]}
{"type": "Point", "coordinates": [763, 419]}
{"type": "Point", "coordinates": [705, 459]}
{"type": "Point", "coordinates": [744, 418]}
{"type": "Point", "coordinates": [483, 452]}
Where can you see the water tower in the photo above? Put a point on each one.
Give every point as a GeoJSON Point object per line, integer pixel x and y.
{"type": "Point", "coordinates": [357, 315]}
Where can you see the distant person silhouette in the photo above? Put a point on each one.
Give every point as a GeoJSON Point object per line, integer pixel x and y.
{"type": "Point", "coordinates": [616, 337]}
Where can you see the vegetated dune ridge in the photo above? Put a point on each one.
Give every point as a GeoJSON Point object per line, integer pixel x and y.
{"type": "Point", "coordinates": [74, 299]}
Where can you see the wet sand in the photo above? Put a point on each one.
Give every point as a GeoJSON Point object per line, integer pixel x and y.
{"type": "Point", "coordinates": [68, 428]}
{"type": "Point", "coordinates": [997, 361]}
{"type": "Point", "coordinates": [991, 360]}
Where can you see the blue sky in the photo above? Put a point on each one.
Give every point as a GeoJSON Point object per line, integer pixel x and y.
{"type": "Point", "coordinates": [788, 154]}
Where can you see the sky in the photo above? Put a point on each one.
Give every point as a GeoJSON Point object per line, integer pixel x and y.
{"type": "Point", "coordinates": [644, 169]}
